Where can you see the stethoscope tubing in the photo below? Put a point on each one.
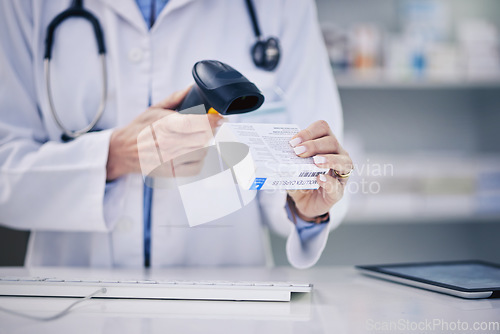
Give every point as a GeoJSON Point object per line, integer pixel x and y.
{"type": "Point", "coordinates": [100, 110]}
{"type": "Point", "coordinates": [76, 10]}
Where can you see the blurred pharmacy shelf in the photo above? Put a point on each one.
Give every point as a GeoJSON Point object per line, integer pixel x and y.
{"type": "Point", "coordinates": [413, 44]}
{"type": "Point", "coordinates": [425, 188]}
{"type": "Point", "coordinates": [419, 82]}
{"type": "Point", "coordinates": [345, 81]}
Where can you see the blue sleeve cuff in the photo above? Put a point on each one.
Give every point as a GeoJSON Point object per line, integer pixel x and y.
{"type": "Point", "coordinates": [305, 229]}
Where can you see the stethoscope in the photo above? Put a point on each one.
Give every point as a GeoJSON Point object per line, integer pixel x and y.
{"type": "Point", "coordinates": [75, 10]}
{"type": "Point", "coordinates": [265, 55]}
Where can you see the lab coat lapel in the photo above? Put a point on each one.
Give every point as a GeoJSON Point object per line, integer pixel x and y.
{"type": "Point", "coordinates": [172, 5]}
{"type": "Point", "coordinates": [129, 11]}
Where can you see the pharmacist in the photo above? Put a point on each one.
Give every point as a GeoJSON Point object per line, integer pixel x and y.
{"type": "Point", "coordinates": [84, 199]}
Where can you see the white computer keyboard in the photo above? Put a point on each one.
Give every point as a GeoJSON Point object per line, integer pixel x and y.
{"type": "Point", "coordinates": [150, 289]}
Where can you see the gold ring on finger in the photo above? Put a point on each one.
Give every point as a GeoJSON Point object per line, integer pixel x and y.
{"type": "Point", "coordinates": [343, 176]}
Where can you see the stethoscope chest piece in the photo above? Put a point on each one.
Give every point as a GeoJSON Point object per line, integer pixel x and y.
{"type": "Point", "coordinates": [266, 54]}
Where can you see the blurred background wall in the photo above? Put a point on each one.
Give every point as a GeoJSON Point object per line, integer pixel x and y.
{"type": "Point", "coordinates": [420, 87]}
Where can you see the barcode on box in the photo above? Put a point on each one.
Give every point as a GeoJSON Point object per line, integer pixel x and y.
{"type": "Point", "coordinates": [310, 174]}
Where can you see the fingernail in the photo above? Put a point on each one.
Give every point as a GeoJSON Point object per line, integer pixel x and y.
{"type": "Point", "coordinates": [322, 177]}
{"type": "Point", "coordinates": [319, 160]}
{"type": "Point", "coordinates": [295, 141]}
{"type": "Point", "coordinates": [299, 150]}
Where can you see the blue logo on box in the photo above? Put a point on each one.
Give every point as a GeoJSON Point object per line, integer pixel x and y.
{"type": "Point", "coordinates": [258, 183]}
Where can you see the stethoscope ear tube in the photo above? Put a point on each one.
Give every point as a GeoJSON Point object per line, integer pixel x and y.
{"type": "Point", "coordinates": [75, 11]}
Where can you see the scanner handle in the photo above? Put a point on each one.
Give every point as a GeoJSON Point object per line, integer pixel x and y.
{"type": "Point", "coordinates": [192, 99]}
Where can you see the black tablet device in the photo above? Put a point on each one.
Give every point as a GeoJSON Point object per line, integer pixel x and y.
{"type": "Point", "coordinates": [466, 279]}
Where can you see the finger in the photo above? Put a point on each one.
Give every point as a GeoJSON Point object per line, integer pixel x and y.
{"type": "Point", "coordinates": [180, 141]}
{"type": "Point", "coordinates": [298, 194]}
{"type": "Point", "coordinates": [332, 189]}
{"type": "Point", "coordinates": [183, 124]}
{"type": "Point", "coordinates": [323, 145]}
{"type": "Point", "coordinates": [155, 113]}
{"type": "Point", "coordinates": [215, 120]}
{"type": "Point", "coordinates": [174, 100]}
{"type": "Point", "coordinates": [171, 148]}
{"type": "Point", "coordinates": [196, 155]}
{"type": "Point", "coordinates": [189, 164]}
{"type": "Point", "coordinates": [317, 129]}
{"type": "Point", "coordinates": [178, 154]}
{"type": "Point", "coordinates": [342, 163]}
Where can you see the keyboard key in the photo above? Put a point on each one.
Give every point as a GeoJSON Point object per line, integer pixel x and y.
{"type": "Point", "coordinates": [263, 283]}
{"type": "Point", "coordinates": [186, 282]}
{"type": "Point", "coordinates": [90, 280]}
{"type": "Point", "coordinates": [244, 283]}
{"type": "Point", "coordinates": [9, 278]}
{"type": "Point", "coordinates": [128, 281]}
{"type": "Point", "coordinates": [205, 283]}
{"type": "Point", "coordinates": [168, 282]}
{"type": "Point", "coordinates": [282, 284]}
{"type": "Point", "coordinates": [301, 285]}
{"type": "Point", "coordinates": [29, 279]}
{"type": "Point", "coordinates": [54, 280]}
{"type": "Point", "coordinates": [224, 283]}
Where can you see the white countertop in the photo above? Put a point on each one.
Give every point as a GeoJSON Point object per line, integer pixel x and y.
{"type": "Point", "coordinates": [343, 301]}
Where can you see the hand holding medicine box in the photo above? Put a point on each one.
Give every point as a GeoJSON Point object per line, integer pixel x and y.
{"type": "Point", "coordinates": [272, 163]}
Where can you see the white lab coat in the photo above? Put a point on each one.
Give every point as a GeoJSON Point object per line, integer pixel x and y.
{"type": "Point", "coordinates": [58, 190]}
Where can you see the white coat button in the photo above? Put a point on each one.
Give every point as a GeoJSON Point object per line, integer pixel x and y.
{"type": "Point", "coordinates": [135, 55]}
{"type": "Point", "coordinates": [124, 225]}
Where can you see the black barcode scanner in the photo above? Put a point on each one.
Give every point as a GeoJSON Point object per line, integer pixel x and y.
{"type": "Point", "coordinates": [221, 89]}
